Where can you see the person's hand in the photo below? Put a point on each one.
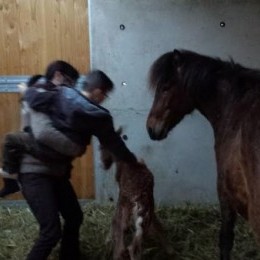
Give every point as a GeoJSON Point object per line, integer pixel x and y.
{"type": "Point", "coordinates": [8, 175]}
{"type": "Point", "coordinates": [22, 87]}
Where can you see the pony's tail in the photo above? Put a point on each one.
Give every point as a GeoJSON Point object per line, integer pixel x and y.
{"type": "Point", "coordinates": [33, 80]}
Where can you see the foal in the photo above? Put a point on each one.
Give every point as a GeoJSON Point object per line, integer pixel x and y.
{"type": "Point", "coordinates": [135, 207]}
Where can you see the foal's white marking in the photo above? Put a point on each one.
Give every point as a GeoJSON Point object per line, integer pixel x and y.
{"type": "Point", "coordinates": [138, 220]}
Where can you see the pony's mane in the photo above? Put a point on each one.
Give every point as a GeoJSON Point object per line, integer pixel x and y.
{"type": "Point", "coordinates": [205, 69]}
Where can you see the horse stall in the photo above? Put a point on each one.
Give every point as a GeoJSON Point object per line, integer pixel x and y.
{"type": "Point", "coordinates": [124, 38]}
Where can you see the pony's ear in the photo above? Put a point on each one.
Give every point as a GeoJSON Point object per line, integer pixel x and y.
{"type": "Point", "coordinates": [177, 57]}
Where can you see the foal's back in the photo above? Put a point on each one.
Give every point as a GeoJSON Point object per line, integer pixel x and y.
{"type": "Point", "coordinates": [135, 183]}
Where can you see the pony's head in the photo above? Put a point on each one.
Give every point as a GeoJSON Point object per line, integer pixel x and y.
{"type": "Point", "coordinates": [172, 99]}
{"type": "Point", "coordinates": [106, 156]}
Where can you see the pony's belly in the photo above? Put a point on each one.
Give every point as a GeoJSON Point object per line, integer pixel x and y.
{"type": "Point", "coordinates": [238, 192]}
{"type": "Point", "coordinates": [232, 169]}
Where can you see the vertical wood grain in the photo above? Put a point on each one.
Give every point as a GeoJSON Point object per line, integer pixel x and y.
{"type": "Point", "coordinates": [32, 34]}
{"type": "Point", "coordinates": [35, 32]}
{"type": "Point", "coordinates": [11, 37]}
{"type": "Point", "coordinates": [81, 40]}
{"type": "Point", "coordinates": [9, 120]}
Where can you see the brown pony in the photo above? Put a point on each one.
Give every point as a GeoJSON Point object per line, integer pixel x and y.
{"type": "Point", "coordinates": [228, 95]}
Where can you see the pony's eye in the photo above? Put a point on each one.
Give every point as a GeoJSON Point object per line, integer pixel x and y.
{"type": "Point", "coordinates": [165, 88]}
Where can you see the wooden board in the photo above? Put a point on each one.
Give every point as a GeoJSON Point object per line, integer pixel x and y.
{"type": "Point", "coordinates": [32, 34]}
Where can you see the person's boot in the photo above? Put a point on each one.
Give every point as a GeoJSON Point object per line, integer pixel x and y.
{"type": "Point", "coordinates": [10, 186]}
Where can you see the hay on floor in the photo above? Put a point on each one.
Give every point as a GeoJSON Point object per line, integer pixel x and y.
{"type": "Point", "coordinates": [192, 232]}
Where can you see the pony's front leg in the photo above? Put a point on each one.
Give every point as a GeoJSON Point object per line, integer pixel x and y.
{"type": "Point", "coordinates": [228, 219]}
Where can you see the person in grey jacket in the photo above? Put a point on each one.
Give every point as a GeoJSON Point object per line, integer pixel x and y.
{"type": "Point", "coordinates": [45, 185]}
{"type": "Point", "coordinates": [44, 135]}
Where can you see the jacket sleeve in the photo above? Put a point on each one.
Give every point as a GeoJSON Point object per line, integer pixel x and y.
{"type": "Point", "coordinates": [105, 132]}
{"type": "Point", "coordinates": [40, 99]}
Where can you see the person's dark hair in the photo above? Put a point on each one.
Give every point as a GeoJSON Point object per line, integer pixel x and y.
{"type": "Point", "coordinates": [58, 65]}
{"type": "Point", "coordinates": [97, 79]}
{"type": "Point", "coordinates": [33, 80]}
{"type": "Point", "coordinates": [63, 67]}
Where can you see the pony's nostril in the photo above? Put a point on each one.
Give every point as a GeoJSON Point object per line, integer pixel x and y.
{"type": "Point", "coordinates": [150, 132]}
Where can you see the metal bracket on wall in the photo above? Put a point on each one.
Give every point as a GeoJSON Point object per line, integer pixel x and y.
{"type": "Point", "coordinates": [9, 83]}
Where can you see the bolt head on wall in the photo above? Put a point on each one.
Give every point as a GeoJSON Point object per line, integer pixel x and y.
{"type": "Point", "coordinates": [222, 24]}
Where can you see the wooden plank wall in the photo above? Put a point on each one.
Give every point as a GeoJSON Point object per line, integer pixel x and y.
{"type": "Point", "coordinates": [35, 32]}
{"type": "Point", "coordinates": [32, 34]}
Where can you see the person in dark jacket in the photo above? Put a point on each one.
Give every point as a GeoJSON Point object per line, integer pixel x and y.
{"type": "Point", "coordinates": [46, 187]}
{"type": "Point", "coordinates": [79, 115]}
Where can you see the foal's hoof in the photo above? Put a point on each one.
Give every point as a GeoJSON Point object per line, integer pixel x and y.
{"type": "Point", "coordinates": [125, 255]}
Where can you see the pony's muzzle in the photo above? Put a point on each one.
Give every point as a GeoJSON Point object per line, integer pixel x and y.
{"type": "Point", "coordinates": [156, 133]}
{"type": "Point", "coordinates": [151, 133]}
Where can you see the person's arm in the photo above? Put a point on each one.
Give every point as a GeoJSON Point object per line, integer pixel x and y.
{"type": "Point", "coordinates": [108, 137]}
{"type": "Point", "coordinates": [88, 118]}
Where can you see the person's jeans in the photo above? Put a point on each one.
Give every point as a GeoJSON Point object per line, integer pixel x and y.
{"type": "Point", "coordinates": [48, 197]}
{"type": "Point", "coordinates": [13, 148]}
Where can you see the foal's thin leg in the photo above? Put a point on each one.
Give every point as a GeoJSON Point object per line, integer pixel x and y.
{"type": "Point", "coordinates": [119, 227]}
{"type": "Point", "coordinates": [226, 236]}
{"type": "Point", "coordinates": [135, 248]}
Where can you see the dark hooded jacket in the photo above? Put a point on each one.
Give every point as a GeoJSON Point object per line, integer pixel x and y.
{"type": "Point", "coordinates": [78, 118]}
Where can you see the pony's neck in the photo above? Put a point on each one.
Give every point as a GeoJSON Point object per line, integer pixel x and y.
{"type": "Point", "coordinates": [217, 106]}
{"type": "Point", "coordinates": [210, 87]}
{"type": "Point", "coordinates": [220, 89]}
